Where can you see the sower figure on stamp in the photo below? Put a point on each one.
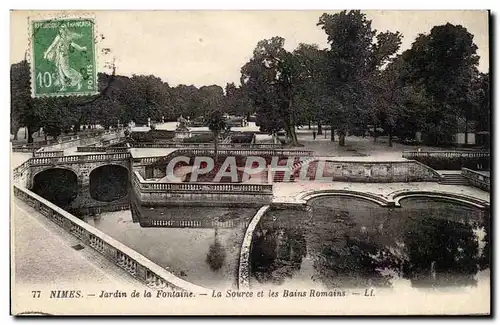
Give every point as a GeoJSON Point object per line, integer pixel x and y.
{"type": "Point", "coordinates": [58, 53]}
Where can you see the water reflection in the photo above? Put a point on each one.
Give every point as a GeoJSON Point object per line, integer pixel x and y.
{"type": "Point", "coordinates": [198, 244]}
{"type": "Point", "coordinates": [348, 243]}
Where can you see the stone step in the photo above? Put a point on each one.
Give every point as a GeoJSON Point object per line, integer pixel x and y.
{"type": "Point", "coordinates": [279, 177]}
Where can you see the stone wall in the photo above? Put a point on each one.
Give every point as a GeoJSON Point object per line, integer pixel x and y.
{"type": "Point", "coordinates": [151, 193]}
{"type": "Point", "coordinates": [244, 263]}
{"type": "Point", "coordinates": [372, 172]}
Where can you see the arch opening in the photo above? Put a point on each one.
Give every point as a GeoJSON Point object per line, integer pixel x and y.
{"type": "Point", "coordinates": [57, 185]}
{"type": "Point", "coordinates": [109, 183]}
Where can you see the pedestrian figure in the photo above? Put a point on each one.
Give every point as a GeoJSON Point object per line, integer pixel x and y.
{"type": "Point", "coordinates": [314, 135]}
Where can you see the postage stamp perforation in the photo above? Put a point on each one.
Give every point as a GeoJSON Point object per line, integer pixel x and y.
{"type": "Point", "coordinates": [30, 55]}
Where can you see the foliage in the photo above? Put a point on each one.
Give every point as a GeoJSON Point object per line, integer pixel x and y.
{"type": "Point", "coordinates": [270, 79]}
{"type": "Point", "coordinates": [357, 84]}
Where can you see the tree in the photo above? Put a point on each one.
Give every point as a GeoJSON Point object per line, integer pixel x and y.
{"type": "Point", "coordinates": [238, 102]}
{"type": "Point", "coordinates": [310, 93]}
{"type": "Point", "coordinates": [353, 59]}
{"type": "Point", "coordinates": [389, 95]}
{"type": "Point", "coordinates": [216, 124]}
{"type": "Point", "coordinates": [443, 64]}
{"type": "Point", "coordinates": [270, 79]}
{"type": "Point", "coordinates": [23, 106]}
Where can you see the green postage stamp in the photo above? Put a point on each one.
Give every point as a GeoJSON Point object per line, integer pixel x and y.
{"type": "Point", "coordinates": [63, 57]}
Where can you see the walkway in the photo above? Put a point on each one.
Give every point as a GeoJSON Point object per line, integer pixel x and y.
{"type": "Point", "coordinates": [44, 254]}
{"type": "Point", "coordinates": [356, 146]}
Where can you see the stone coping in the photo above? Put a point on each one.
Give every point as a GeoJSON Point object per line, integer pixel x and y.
{"type": "Point", "coordinates": [244, 262]}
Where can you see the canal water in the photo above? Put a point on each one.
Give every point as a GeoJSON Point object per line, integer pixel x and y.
{"type": "Point", "coordinates": [206, 256]}
{"type": "Point", "coordinates": [351, 243]}
{"type": "Point", "coordinates": [340, 242]}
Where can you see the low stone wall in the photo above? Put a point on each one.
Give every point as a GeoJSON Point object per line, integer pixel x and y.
{"type": "Point", "coordinates": [152, 193]}
{"type": "Point", "coordinates": [85, 140]}
{"type": "Point", "coordinates": [134, 263]}
{"type": "Point", "coordinates": [41, 153]}
{"type": "Point", "coordinates": [371, 172]}
{"type": "Point", "coordinates": [22, 174]}
{"type": "Point", "coordinates": [181, 145]}
{"type": "Point", "coordinates": [77, 159]}
{"type": "Point", "coordinates": [102, 149]}
{"type": "Point", "coordinates": [244, 263]}
{"type": "Point", "coordinates": [477, 179]}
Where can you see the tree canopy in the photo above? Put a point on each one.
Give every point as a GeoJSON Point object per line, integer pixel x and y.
{"type": "Point", "coordinates": [362, 82]}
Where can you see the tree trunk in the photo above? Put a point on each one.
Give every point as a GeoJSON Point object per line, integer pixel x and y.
{"type": "Point", "coordinates": [466, 138]}
{"type": "Point", "coordinates": [332, 133]}
{"type": "Point", "coordinates": [76, 128]}
{"type": "Point", "coordinates": [374, 132]}
{"type": "Point", "coordinates": [293, 136]}
{"type": "Point", "coordinates": [30, 132]}
{"type": "Point", "coordinates": [309, 124]}
{"type": "Point", "coordinates": [320, 129]}
{"type": "Point", "coordinates": [390, 138]}
{"type": "Point", "coordinates": [216, 146]}
{"type": "Point", "coordinates": [342, 138]}
{"type": "Point", "coordinates": [16, 130]}
{"type": "Point", "coordinates": [25, 132]}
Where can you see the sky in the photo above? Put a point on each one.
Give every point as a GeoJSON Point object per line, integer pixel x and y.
{"type": "Point", "coordinates": [210, 47]}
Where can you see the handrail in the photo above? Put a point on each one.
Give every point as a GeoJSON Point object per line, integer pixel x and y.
{"type": "Point", "coordinates": [126, 258]}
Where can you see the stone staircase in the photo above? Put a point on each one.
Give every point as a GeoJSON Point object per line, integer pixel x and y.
{"type": "Point", "coordinates": [450, 178]}
{"type": "Point", "coordinates": [279, 176]}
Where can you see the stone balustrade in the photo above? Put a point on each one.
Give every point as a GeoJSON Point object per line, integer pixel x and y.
{"type": "Point", "coordinates": [43, 154]}
{"type": "Point", "coordinates": [132, 262]}
{"type": "Point", "coordinates": [78, 159]}
{"type": "Point", "coordinates": [477, 179]}
{"type": "Point", "coordinates": [143, 161]}
{"type": "Point", "coordinates": [447, 154]}
{"type": "Point", "coordinates": [102, 149]}
{"type": "Point", "coordinates": [206, 145]}
{"type": "Point", "coordinates": [151, 186]}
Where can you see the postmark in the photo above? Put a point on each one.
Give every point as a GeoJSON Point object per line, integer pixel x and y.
{"type": "Point", "coordinates": [63, 57]}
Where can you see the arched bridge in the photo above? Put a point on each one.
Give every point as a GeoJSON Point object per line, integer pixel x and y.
{"type": "Point", "coordinates": [78, 181]}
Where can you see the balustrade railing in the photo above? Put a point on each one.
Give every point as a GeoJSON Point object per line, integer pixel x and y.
{"type": "Point", "coordinates": [43, 154]}
{"type": "Point", "coordinates": [102, 149]}
{"type": "Point", "coordinates": [477, 179]}
{"type": "Point", "coordinates": [78, 159]}
{"type": "Point", "coordinates": [134, 263]}
{"type": "Point", "coordinates": [150, 186]}
{"type": "Point", "coordinates": [447, 154]}
{"type": "Point", "coordinates": [206, 145]}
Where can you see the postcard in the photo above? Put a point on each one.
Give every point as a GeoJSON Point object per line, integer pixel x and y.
{"type": "Point", "coordinates": [250, 163]}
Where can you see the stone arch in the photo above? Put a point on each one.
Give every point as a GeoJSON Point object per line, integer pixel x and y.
{"type": "Point", "coordinates": [57, 185]}
{"type": "Point", "coordinates": [109, 182]}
